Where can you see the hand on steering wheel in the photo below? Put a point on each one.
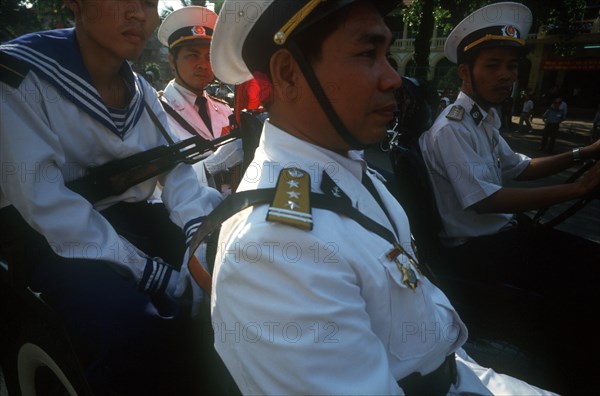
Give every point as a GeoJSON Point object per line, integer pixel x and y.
{"type": "Point", "coordinates": [589, 177]}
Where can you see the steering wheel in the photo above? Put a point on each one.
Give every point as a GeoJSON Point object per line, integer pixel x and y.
{"type": "Point", "coordinates": [575, 207]}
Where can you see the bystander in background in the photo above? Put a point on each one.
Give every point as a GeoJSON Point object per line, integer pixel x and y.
{"type": "Point", "coordinates": [526, 114]}
{"type": "Point", "coordinates": [552, 118]}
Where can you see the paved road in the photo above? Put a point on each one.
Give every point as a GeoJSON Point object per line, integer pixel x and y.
{"type": "Point", "coordinates": [573, 133]}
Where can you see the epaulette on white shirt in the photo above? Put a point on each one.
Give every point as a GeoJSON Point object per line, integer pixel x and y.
{"type": "Point", "coordinates": [291, 203]}
{"type": "Point", "coordinates": [456, 113]}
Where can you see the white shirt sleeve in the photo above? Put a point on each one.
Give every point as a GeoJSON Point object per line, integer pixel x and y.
{"type": "Point", "coordinates": [260, 318]}
{"type": "Point", "coordinates": [33, 182]}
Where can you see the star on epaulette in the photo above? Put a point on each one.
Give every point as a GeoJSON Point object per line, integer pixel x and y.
{"type": "Point", "coordinates": [456, 113]}
{"type": "Point", "coordinates": [293, 183]}
{"type": "Point", "coordinates": [291, 203]}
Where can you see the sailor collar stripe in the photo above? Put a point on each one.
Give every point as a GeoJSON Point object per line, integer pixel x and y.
{"type": "Point", "coordinates": [71, 84]}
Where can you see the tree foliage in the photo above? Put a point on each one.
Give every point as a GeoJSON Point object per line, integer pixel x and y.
{"type": "Point", "coordinates": [169, 8]}
{"type": "Point", "coordinates": [18, 17]}
{"type": "Point", "coordinates": [557, 17]}
{"type": "Point", "coordinates": [565, 22]}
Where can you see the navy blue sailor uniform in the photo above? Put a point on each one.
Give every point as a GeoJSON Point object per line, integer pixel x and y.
{"type": "Point", "coordinates": [54, 125]}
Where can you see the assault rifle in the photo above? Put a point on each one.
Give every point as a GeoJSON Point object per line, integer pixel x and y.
{"type": "Point", "coordinates": [116, 177]}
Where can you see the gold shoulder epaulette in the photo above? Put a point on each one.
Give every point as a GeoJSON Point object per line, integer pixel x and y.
{"type": "Point", "coordinates": [456, 113]}
{"type": "Point", "coordinates": [291, 203]}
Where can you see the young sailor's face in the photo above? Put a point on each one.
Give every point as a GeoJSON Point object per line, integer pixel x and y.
{"type": "Point", "coordinates": [495, 71]}
{"type": "Point", "coordinates": [119, 28]}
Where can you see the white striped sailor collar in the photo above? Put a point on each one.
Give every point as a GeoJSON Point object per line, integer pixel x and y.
{"type": "Point", "coordinates": [55, 57]}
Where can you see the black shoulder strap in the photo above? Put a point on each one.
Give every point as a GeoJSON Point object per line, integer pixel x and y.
{"type": "Point", "coordinates": [239, 201]}
{"type": "Point", "coordinates": [12, 70]}
{"type": "Point", "coordinates": [180, 120]}
{"type": "Point", "coordinates": [158, 124]}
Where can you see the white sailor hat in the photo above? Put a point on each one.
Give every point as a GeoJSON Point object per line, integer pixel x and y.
{"type": "Point", "coordinates": [187, 23]}
{"type": "Point", "coordinates": [249, 32]}
{"type": "Point", "coordinates": [500, 24]}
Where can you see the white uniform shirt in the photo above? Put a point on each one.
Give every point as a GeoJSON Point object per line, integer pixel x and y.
{"type": "Point", "coordinates": [322, 311]}
{"type": "Point", "coordinates": [53, 126]}
{"type": "Point", "coordinates": [467, 162]}
{"type": "Point", "coordinates": [563, 108]}
{"type": "Point", "coordinates": [527, 106]}
{"type": "Point", "coordinates": [182, 100]}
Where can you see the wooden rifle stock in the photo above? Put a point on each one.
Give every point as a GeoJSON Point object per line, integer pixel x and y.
{"type": "Point", "coordinates": [116, 177]}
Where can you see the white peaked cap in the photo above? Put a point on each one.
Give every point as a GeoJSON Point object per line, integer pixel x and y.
{"type": "Point", "coordinates": [494, 25]}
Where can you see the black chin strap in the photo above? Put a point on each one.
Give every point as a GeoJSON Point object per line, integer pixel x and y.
{"type": "Point", "coordinates": [317, 90]}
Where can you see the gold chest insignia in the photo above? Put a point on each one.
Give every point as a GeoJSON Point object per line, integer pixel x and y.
{"type": "Point", "coordinates": [409, 277]}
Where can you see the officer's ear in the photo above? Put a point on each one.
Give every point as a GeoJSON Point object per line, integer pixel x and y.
{"type": "Point", "coordinates": [172, 58]}
{"type": "Point", "coordinates": [285, 75]}
{"type": "Point", "coordinates": [464, 74]}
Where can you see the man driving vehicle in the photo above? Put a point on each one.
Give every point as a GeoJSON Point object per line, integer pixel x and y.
{"type": "Point", "coordinates": [468, 162]}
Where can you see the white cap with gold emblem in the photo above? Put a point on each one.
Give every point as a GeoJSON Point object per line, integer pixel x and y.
{"type": "Point", "coordinates": [187, 23]}
{"type": "Point", "coordinates": [499, 24]}
{"type": "Point", "coordinates": [249, 32]}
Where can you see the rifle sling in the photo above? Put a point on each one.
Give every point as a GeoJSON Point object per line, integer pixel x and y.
{"type": "Point", "coordinates": [158, 124]}
{"type": "Point", "coordinates": [177, 117]}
